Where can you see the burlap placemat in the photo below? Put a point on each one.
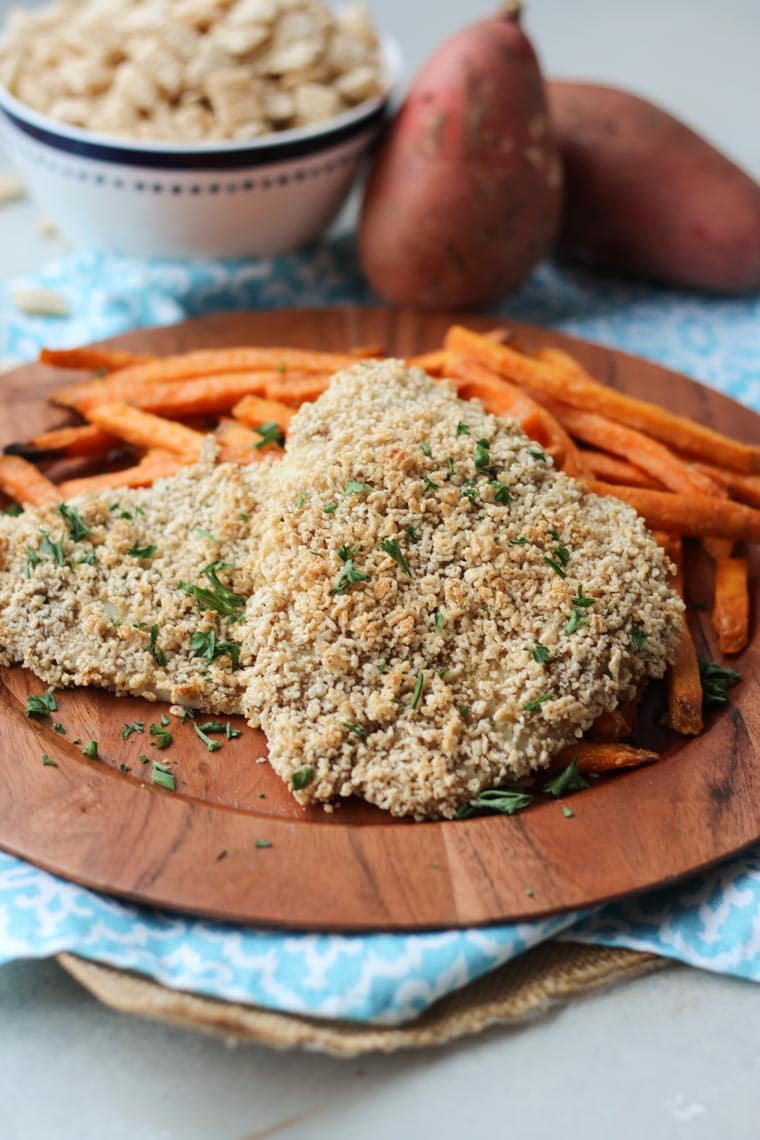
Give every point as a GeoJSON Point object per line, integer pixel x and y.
{"type": "Point", "coordinates": [519, 991]}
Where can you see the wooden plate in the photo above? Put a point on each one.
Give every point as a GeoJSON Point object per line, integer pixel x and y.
{"type": "Point", "coordinates": [195, 850]}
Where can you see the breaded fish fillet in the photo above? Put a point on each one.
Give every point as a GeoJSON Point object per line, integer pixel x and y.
{"type": "Point", "coordinates": [139, 591]}
{"type": "Point", "coordinates": [439, 610]}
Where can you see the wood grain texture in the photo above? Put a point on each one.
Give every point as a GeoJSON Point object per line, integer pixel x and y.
{"type": "Point", "coordinates": [195, 849]}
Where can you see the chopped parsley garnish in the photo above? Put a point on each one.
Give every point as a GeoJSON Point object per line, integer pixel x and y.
{"type": "Point", "coordinates": [124, 768]}
{"type": "Point", "coordinates": [556, 566]}
{"type": "Point", "coordinates": [87, 559]}
{"type": "Point", "coordinates": [243, 516]}
{"type": "Point", "coordinates": [90, 750]}
{"type": "Point", "coordinates": [581, 600]}
{"type": "Point", "coordinates": [412, 534]}
{"type": "Point", "coordinates": [211, 745]}
{"type": "Point", "coordinates": [438, 621]}
{"type": "Point", "coordinates": [301, 778]}
{"type": "Point", "coordinates": [638, 638]}
{"type": "Point", "coordinates": [383, 666]}
{"type": "Point", "coordinates": [716, 681]}
{"type": "Point", "coordinates": [219, 598]}
{"type": "Point", "coordinates": [41, 706]}
{"type": "Point", "coordinates": [142, 551]}
{"type": "Point", "coordinates": [349, 575]}
{"type": "Point", "coordinates": [143, 758]}
{"type": "Point", "coordinates": [301, 499]}
{"type": "Point", "coordinates": [576, 621]}
{"type": "Point", "coordinates": [201, 530]}
{"type": "Point", "coordinates": [482, 456]}
{"type": "Point", "coordinates": [161, 774]}
{"type": "Point", "coordinates": [501, 492]}
{"type": "Point", "coordinates": [204, 644]}
{"type": "Point", "coordinates": [540, 653]}
{"type": "Point", "coordinates": [126, 515]}
{"type": "Point", "coordinates": [537, 453]}
{"type": "Point", "coordinates": [48, 763]}
{"type": "Point", "coordinates": [521, 541]}
{"type": "Point", "coordinates": [13, 510]}
{"type": "Point", "coordinates": [425, 448]}
{"type": "Point", "coordinates": [392, 548]}
{"type": "Point", "coordinates": [157, 654]}
{"type": "Point", "coordinates": [505, 801]}
{"type": "Point", "coordinates": [470, 490]}
{"type": "Point", "coordinates": [78, 528]}
{"type": "Point", "coordinates": [463, 428]}
{"type": "Point", "coordinates": [430, 485]}
{"type": "Point", "coordinates": [330, 508]}
{"type": "Point", "coordinates": [262, 843]}
{"type": "Point", "coordinates": [161, 738]}
{"type": "Point", "coordinates": [220, 726]}
{"type": "Point", "coordinates": [52, 547]}
{"type": "Point", "coordinates": [464, 711]}
{"type": "Point", "coordinates": [132, 727]}
{"type": "Point", "coordinates": [568, 780]}
{"type": "Point", "coordinates": [419, 686]}
{"type": "Point", "coordinates": [270, 432]}
{"type": "Point", "coordinates": [356, 487]}
{"type": "Point", "coordinates": [165, 720]}
{"type": "Point", "coordinates": [554, 534]}
{"type": "Point", "coordinates": [32, 559]}
{"type": "Point", "coordinates": [356, 729]}
{"type": "Point", "coordinates": [535, 705]}
{"type": "Point", "coordinates": [450, 467]}
{"type": "Point", "coordinates": [58, 727]}
{"type": "Point", "coordinates": [568, 812]}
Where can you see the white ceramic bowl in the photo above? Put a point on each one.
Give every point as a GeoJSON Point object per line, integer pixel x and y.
{"type": "Point", "coordinates": [200, 200]}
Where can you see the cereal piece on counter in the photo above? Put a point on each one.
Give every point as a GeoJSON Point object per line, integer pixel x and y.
{"type": "Point", "coordinates": [37, 302]}
{"type": "Point", "coordinates": [11, 187]}
{"type": "Point", "coordinates": [47, 228]}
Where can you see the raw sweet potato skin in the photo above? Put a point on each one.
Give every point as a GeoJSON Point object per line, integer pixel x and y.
{"type": "Point", "coordinates": [465, 194]}
{"type": "Point", "coordinates": [645, 195]}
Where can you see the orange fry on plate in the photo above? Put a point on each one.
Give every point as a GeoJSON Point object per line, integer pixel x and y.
{"type": "Point", "coordinates": [256, 410]}
{"type": "Point", "coordinates": [731, 604]}
{"type": "Point", "coordinates": [21, 481]}
{"type": "Point", "coordinates": [144, 430]}
{"type": "Point", "coordinates": [599, 756]}
{"type": "Point", "coordinates": [692, 515]}
{"type": "Point", "coordinates": [90, 359]}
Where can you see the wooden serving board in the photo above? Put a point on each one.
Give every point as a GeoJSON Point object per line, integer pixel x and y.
{"type": "Point", "coordinates": [195, 850]}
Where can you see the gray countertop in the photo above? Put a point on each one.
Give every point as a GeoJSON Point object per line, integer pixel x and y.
{"type": "Point", "coordinates": [672, 1055]}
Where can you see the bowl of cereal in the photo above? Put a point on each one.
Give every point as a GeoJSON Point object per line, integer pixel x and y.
{"type": "Point", "coordinates": [192, 128]}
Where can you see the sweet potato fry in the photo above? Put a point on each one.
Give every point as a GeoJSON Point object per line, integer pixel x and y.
{"type": "Point", "coordinates": [296, 390]}
{"type": "Point", "coordinates": [90, 359]}
{"type": "Point", "coordinates": [611, 469]}
{"type": "Point", "coordinates": [502, 398]}
{"type": "Point", "coordinates": [435, 363]}
{"type": "Point", "coordinates": [237, 443]}
{"type": "Point", "coordinates": [745, 488]}
{"type": "Point", "coordinates": [144, 430]}
{"type": "Point", "coordinates": [653, 457]}
{"type": "Point", "coordinates": [203, 363]}
{"type": "Point", "coordinates": [143, 474]}
{"type": "Point", "coordinates": [208, 396]}
{"type": "Point", "coordinates": [598, 756]}
{"type": "Point", "coordinates": [693, 515]}
{"type": "Point", "coordinates": [79, 441]}
{"type": "Point", "coordinates": [684, 684]}
{"type": "Point", "coordinates": [256, 410]}
{"type": "Point", "coordinates": [718, 548]}
{"type": "Point", "coordinates": [582, 391]}
{"type": "Point", "coordinates": [21, 481]}
{"type": "Point", "coordinates": [615, 725]}
{"type": "Point", "coordinates": [731, 605]}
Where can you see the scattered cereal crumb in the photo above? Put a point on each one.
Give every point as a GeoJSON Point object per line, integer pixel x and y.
{"type": "Point", "coordinates": [39, 302]}
{"type": "Point", "coordinates": [11, 187]}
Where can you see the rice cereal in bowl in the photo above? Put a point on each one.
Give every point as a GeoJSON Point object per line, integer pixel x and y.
{"type": "Point", "coordinates": [193, 128]}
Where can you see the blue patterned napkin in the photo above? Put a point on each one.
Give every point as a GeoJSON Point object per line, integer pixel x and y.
{"type": "Point", "coordinates": [710, 922]}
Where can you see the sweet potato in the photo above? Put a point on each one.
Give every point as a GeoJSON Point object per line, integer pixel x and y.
{"type": "Point", "coordinates": [645, 195]}
{"type": "Point", "coordinates": [464, 196]}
